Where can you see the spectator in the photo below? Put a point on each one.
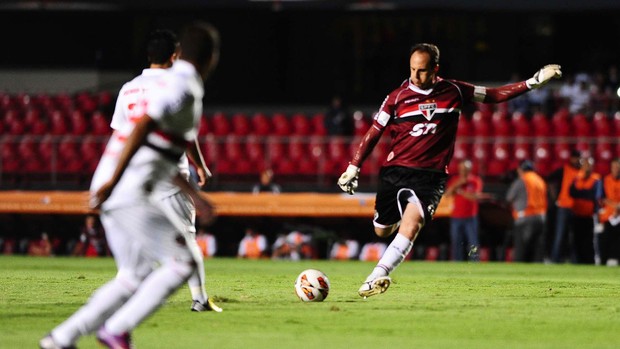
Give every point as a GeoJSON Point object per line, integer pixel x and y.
{"type": "Point", "coordinates": [467, 190]}
{"type": "Point", "coordinates": [609, 215]}
{"type": "Point", "coordinates": [560, 181]}
{"type": "Point", "coordinates": [586, 192]}
{"type": "Point", "coordinates": [344, 249]}
{"type": "Point", "coordinates": [527, 196]}
{"type": "Point", "coordinates": [281, 248]}
{"type": "Point", "coordinates": [40, 247]}
{"type": "Point", "coordinates": [337, 120]}
{"type": "Point", "coordinates": [372, 251]}
{"type": "Point", "coordinates": [266, 184]}
{"type": "Point", "coordinates": [300, 245]}
{"type": "Point", "coordinates": [92, 241]}
{"type": "Point", "coordinates": [253, 245]}
{"type": "Point", "coordinates": [207, 243]}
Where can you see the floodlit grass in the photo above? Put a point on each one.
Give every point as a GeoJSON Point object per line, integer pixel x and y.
{"type": "Point", "coordinates": [429, 305]}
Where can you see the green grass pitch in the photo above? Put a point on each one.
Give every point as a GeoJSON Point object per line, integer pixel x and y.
{"type": "Point", "coordinates": [429, 305]}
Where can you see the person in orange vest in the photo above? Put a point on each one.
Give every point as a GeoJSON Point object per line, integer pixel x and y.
{"type": "Point", "coordinates": [206, 242]}
{"type": "Point", "coordinates": [560, 181]}
{"type": "Point", "coordinates": [528, 197]}
{"type": "Point", "coordinates": [253, 245]}
{"type": "Point", "coordinates": [586, 191]}
{"type": "Point", "coordinates": [609, 216]}
{"type": "Point", "coordinates": [372, 251]}
{"type": "Point", "coordinates": [344, 249]}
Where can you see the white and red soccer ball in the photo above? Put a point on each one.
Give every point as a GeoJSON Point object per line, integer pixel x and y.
{"type": "Point", "coordinates": [312, 285]}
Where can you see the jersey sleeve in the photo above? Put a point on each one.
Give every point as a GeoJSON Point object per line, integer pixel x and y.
{"type": "Point", "coordinates": [386, 112]}
{"type": "Point", "coordinates": [469, 92]}
{"type": "Point", "coordinates": [119, 117]}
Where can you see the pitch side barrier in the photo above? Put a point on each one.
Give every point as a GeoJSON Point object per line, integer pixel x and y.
{"type": "Point", "coordinates": [227, 203]}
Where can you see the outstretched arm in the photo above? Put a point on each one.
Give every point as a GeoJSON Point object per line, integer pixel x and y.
{"type": "Point", "coordinates": [506, 92]}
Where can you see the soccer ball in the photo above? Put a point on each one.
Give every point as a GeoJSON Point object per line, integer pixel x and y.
{"type": "Point", "coordinates": [312, 285]}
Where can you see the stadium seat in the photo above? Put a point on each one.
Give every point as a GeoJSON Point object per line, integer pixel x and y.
{"type": "Point", "coordinates": [275, 151]}
{"type": "Point", "coordinates": [240, 123]}
{"type": "Point", "coordinates": [221, 124]}
{"type": "Point", "coordinates": [316, 147]}
{"type": "Point", "coordinates": [297, 149]}
{"type": "Point", "coordinates": [255, 148]}
{"type": "Point", "coordinates": [481, 124]}
{"type": "Point", "coordinates": [203, 127]}
{"type": "Point", "coordinates": [541, 125]}
{"type": "Point", "coordinates": [601, 125]}
{"type": "Point", "coordinates": [318, 124]}
{"type": "Point", "coordinates": [462, 150]}
{"type": "Point", "coordinates": [58, 125]}
{"type": "Point", "coordinates": [562, 125]}
{"type": "Point", "coordinates": [522, 150]}
{"type": "Point", "coordinates": [281, 124]}
{"type": "Point", "coordinates": [301, 124]}
{"type": "Point", "coordinates": [99, 124]}
{"type": "Point", "coordinates": [78, 123]}
{"type": "Point", "coordinates": [361, 123]}
{"type": "Point", "coordinates": [261, 124]}
{"type": "Point", "coordinates": [502, 127]}
{"type": "Point", "coordinates": [465, 128]}
{"type": "Point", "coordinates": [521, 125]}
{"type": "Point", "coordinates": [581, 125]}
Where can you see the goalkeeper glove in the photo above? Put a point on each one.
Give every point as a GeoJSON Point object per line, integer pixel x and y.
{"type": "Point", "coordinates": [348, 180]}
{"type": "Point", "coordinates": [543, 76]}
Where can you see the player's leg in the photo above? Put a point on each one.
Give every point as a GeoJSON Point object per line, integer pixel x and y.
{"type": "Point", "coordinates": [411, 223]}
{"type": "Point", "coordinates": [561, 221]}
{"type": "Point", "coordinates": [180, 208]}
{"type": "Point", "coordinates": [111, 296]}
{"type": "Point", "coordinates": [169, 248]}
{"type": "Point", "coordinates": [473, 245]}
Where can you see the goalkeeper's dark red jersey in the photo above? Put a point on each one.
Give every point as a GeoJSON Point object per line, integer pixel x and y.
{"type": "Point", "coordinates": [423, 123]}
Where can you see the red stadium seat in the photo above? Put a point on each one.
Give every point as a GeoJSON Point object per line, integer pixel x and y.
{"type": "Point", "coordinates": [275, 151]}
{"type": "Point", "coordinates": [562, 125]}
{"type": "Point", "coordinates": [522, 151]}
{"type": "Point", "coordinates": [99, 124]}
{"type": "Point", "coordinates": [316, 147]}
{"type": "Point", "coordinates": [203, 127]}
{"type": "Point", "coordinates": [481, 124]}
{"type": "Point", "coordinates": [58, 125]}
{"type": "Point", "coordinates": [297, 149]}
{"type": "Point", "coordinates": [281, 125]}
{"type": "Point", "coordinates": [465, 128]}
{"type": "Point", "coordinates": [78, 123]}
{"type": "Point", "coordinates": [462, 150]}
{"type": "Point", "coordinates": [301, 124]}
{"type": "Point", "coordinates": [221, 124]}
{"type": "Point", "coordinates": [240, 123]}
{"type": "Point", "coordinates": [318, 124]}
{"type": "Point", "coordinates": [361, 123]}
{"type": "Point", "coordinates": [602, 127]}
{"type": "Point", "coordinates": [255, 149]}
{"type": "Point", "coordinates": [234, 149]}
{"type": "Point", "coordinates": [521, 125]}
{"type": "Point", "coordinates": [261, 124]}
{"type": "Point", "coordinates": [581, 125]}
{"type": "Point", "coordinates": [541, 125]}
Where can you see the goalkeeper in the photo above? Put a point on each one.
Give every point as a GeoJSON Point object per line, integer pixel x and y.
{"type": "Point", "coordinates": [421, 117]}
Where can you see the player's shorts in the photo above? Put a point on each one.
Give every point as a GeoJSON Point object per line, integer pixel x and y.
{"type": "Point", "coordinates": [180, 209]}
{"type": "Point", "coordinates": [427, 186]}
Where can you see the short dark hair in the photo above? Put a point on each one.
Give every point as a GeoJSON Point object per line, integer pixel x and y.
{"type": "Point", "coordinates": [162, 44]}
{"type": "Point", "coordinates": [198, 42]}
{"type": "Point", "coordinates": [431, 49]}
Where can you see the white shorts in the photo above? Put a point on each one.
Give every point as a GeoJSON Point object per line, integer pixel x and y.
{"type": "Point", "coordinates": [179, 208]}
{"type": "Point", "coordinates": [141, 236]}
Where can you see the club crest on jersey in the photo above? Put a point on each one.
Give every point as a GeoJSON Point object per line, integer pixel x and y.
{"type": "Point", "coordinates": [428, 109]}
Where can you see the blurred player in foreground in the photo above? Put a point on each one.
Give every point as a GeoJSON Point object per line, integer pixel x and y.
{"type": "Point", "coordinates": [422, 117]}
{"type": "Point", "coordinates": [162, 50]}
{"type": "Point", "coordinates": [140, 231]}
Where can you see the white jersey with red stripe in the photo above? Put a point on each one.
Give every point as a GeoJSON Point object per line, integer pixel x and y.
{"type": "Point", "coordinates": [174, 102]}
{"type": "Point", "coordinates": [124, 118]}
